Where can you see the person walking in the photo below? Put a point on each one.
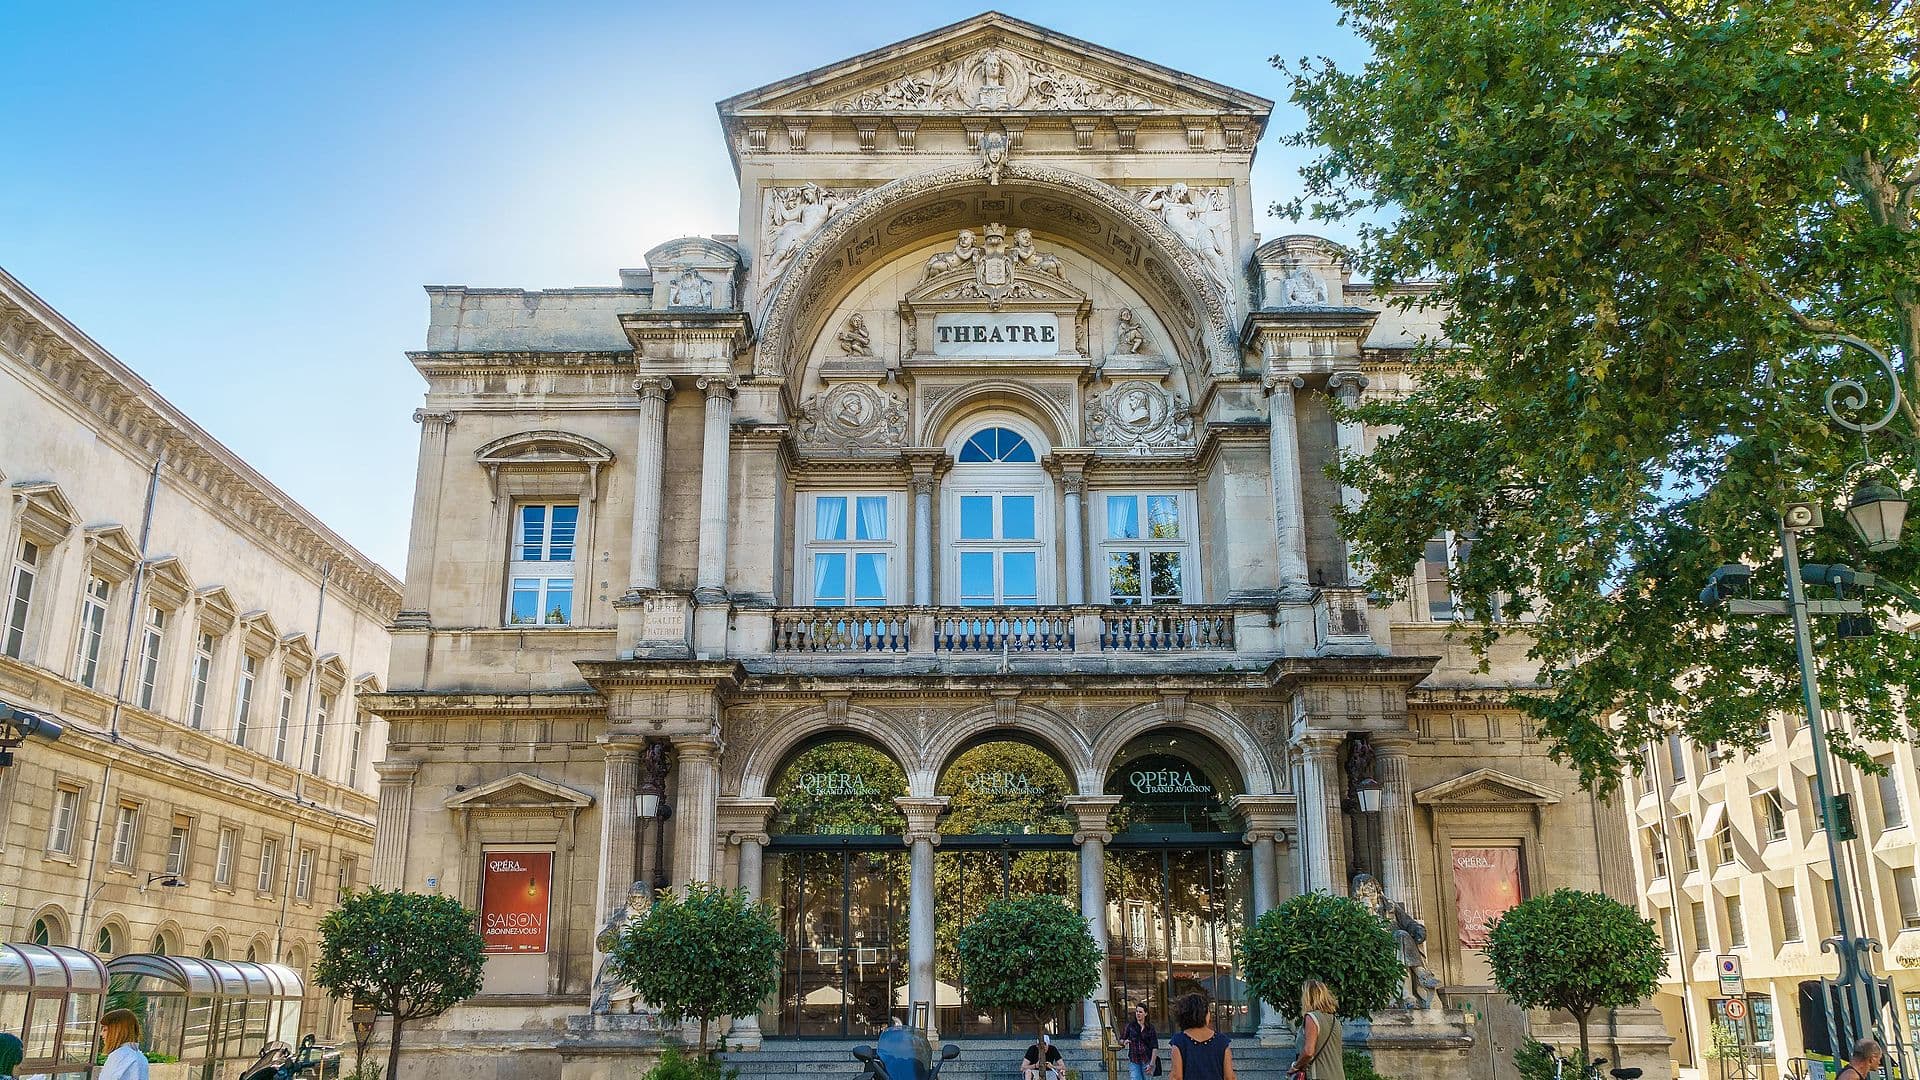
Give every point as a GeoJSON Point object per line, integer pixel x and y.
{"type": "Point", "coordinates": [1143, 1044]}
{"type": "Point", "coordinates": [1322, 1055]}
{"type": "Point", "coordinates": [1863, 1061]}
{"type": "Point", "coordinates": [120, 1031]}
{"type": "Point", "coordinates": [1199, 1052]}
{"type": "Point", "coordinates": [12, 1052]}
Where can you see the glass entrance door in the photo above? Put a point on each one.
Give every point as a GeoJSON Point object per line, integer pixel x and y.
{"type": "Point", "coordinates": [969, 874]}
{"type": "Point", "coordinates": [843, 913]}
{"type": "Point", "coordinates": [1175, 916]}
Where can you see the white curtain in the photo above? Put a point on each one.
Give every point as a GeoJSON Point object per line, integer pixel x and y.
{"type": "Point", "coordinates": [829, 579]}
{"type": "Point", "coordinates": [830, 519]}
{"type": "Point", "coordinates": [873, 518]}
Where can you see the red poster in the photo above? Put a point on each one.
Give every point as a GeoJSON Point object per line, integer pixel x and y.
{"type": "Point", "coordinates": [1486, 882]}
{"type": "Point", "coordinates": [515, 901]}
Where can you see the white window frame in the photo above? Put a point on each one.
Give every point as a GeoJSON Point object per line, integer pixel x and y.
{"type": "Point", "coordinates": [179, 846]}
{"type": "Point", "coordinates": [269, 863]}
{"type": "Point", "coordinates": [1456, 550]}
{"type": "Point", "coordinates": [126, 835]}
{"type": "Point", "coordinates": [323, 709]}
{"type": "Point", "coordinates": [808, 545]}
{"type": "Point", "coordinates": [24, 573]}
{"type": "Point", "coordinates": [1773, 815]}
{"type": "Point", "coordinates": [243, 696]}
{"type": "Point", "coordinates": [999, 479]}
{"type": "Point", "coordinates": [303, 874]}
{"type": "Point", "coordinates": [1906, 896]}
{"type": "Point", "coordinates": [343, 878]}
{"type": "Point", "coordinates": [353, 751]}
{"type": "Point", "coordinates": [206, 647]}
{"type": "Point", "coordinates": [153, 645]}
{"type": "Point", "coordinates": [95, 604]}
{"type": "Point", "coordinates": [1656, 853]}
{"type": "Point", "coordinates": [65, 820]}
{"type": "Point", "coordinates": [289, 689]}
{"type": "Point", "coordinates": [1187, 545]}
{"type": "Point", "coordinates": [546, 572]}
{"type": "Point", "coordinates": [224, 850]}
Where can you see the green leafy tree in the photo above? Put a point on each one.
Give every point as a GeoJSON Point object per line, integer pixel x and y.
{"type": "Point", "coordinates": [1031, 954]}
{"type": "Point", "coordinates": [412, 956]}
{"type": "Point", "coordinates": [1577, 951]}
{"type": "Point", "coordinates": [712, 952]}
{"type": "Point", "coordinates": [1641, 219]}
{"type": "Point", "coordinates": [1331, 938]}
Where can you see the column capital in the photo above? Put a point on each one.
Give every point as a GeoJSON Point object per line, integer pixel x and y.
{"type": "Point", "coordinates": [1092, 816]}
{"type": "Point", "coordinates": [1319, 744]}
{"type": "Point", "coordinates": [1392, 743]}
{"type": "Point", "coordinates": [925, 461]}
{"type": "Point", "coordinates": [616, 746]}
{"type": "Point", "coordinates": [435, 422]}
{"type": "Point", "coordinates": [699, 746]}
{"type": "Point", "coordinates": [1278, 383]}
{"type": "Point", "coordinates": [744, 820]}
{"type": "Point", "coordinates": [1346, 385]}
{"type": "Point", "coordinates": [1263, 815]}
{"type": "Point", "coordinates": [923, 816]}
{"type": "Point", "coordinates": [717, 386]}
{"type": "Point", "coordinates": [654, 387]}
{"type": "Point", "coordinates": [399, 771]}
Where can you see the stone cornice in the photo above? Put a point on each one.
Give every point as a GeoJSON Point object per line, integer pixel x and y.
{"type": "Point", "coordinates": [406, 704]}
{"type": "Point", "coordinates": [93, 381]}
{"type": "Point", "coordinates": [469, 361]}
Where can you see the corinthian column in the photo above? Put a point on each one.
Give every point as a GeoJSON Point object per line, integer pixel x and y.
{"type": "Point", "coordinates": [695, 794]}
{"type": "Point", "coordinates": [1323, 854]}
{"type": "Point", "coordinates": [416, 606]}
{"type": "Point", "coordinates": [648, 454]}
{"type": "Point", "coordinates": [1092, 830]}
{"type": "Point", "coordinates": [715, 449]}
{"type": "Point", "coordinates": [618, 825]}
{"type": "Point", "coordinates": [1263, 815]}
{"type": "Point", "coordinates": [1350, 441]}
{"type": "Point", "coordinates": [1289, 512]}
{"type": "Point", "coordinates": [1396, 819]}
{"type": "Point", "coordinates": [1070, 468]}
{"type": "Point", "coordinates": [923, 832]}
{"type": "Point", "coordinates": [925, 463]}
{"type": "Point", "coordinates": [392, 825]}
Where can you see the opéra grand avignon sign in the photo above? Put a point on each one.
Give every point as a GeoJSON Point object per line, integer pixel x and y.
{"type": "Point", "coordinates": [1167, 782]}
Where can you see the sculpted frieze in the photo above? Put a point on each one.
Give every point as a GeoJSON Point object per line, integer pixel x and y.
{"type": "Point", "coordinates": [854, 415]}
{"type": "Point", "coordinates": [1199, 217]}
{"type": "Point", "coordinates": [995, 79]}
{"type": "Point", "coordinates": [1140, 416]}
{"type": "Point", "coordinates": [794, 215]}
{"type": "Point", "coordinates": [994, 264]}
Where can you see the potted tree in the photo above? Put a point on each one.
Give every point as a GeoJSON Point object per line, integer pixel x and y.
{"type": "Point", "coordinates": [1576, 951]}
{"type": "Point", "coordinates": [1331, 938]}
{"type": "Point", "coordinates": [708, 953]}
{"type": "Point", "coordinates": [1030, 954]}
{"type": "Point", "coordinates": [412, 956]}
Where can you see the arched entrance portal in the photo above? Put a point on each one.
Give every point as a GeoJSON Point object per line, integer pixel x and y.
{"type": "Point", "coordinates": [837, 870]}
{"type": "Point", "coordinates": [1006, 834]}
{"type": "Point", "coordinates": [1179, 883]}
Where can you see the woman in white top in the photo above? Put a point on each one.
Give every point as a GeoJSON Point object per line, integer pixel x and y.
{"type": "Point", "coordinates": [120, 1031]}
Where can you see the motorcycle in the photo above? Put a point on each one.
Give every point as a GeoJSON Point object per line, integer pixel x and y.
{"type": "Point", "coordinates": [281, 1062]}
{"type": "Point", "coordinates": [903, 1054]}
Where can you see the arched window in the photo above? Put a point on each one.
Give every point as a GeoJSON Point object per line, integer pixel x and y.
{"type": "Point", "coordinates": [997, 444]}
{"type": "Point", "coordinates": [103, 943]}
{"type": "Point", "coordinates": [48, 931]}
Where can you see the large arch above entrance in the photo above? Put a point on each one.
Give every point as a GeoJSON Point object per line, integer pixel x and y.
{"type": "Point", "coordinates": [1241, 746]}
{"type": "Point", "coordinates": [908, 211]}
{"type": "Point", "coordinates": [769, 753]}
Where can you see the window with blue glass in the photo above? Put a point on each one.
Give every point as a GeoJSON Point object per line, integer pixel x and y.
{"type": "Point", "coordinates": [997, 444]}
{"type": "Point", "coordinates": [541, 572]}
{"type": "Point", "coordinates": [1146, 546]}
{"type": "Point", "coordinates": [850, 556]}
{"type": "Point", "coordinates": [997, 523]}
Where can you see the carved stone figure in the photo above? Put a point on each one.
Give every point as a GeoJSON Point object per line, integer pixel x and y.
{"type": "Point", "coordinates": [794, 215]}
{"type": "Point", "coordinates": [1140, 416]}
{"type": "Point", "coordinates": [963, 251]}
{"type": "Point", "coordinates": [610, 995]}
{"type": "Point", "coordinates": [1042, 262]}
{"type": "Point", "coordinates": [993, 155]}
{"type": "Point", "coordinates": [1303, 289]}
{"type": "Point", "coordinates": [990, 80]}
{"type": "Point", "coordinates": [853, 337]}
{"type": "Point", "coordinates": [691, 289]}
{"type": "Point", "coordinates": [853, 415]}
{"type": "Point", "coordinates": [1131, 340]}
{"type": "Point", "coordinates": [1409, 937]}
{"type": "Point", "coordinates": [1200, 220]}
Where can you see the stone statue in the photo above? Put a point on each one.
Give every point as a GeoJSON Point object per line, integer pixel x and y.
{"type": "Point", "coordinates": [1200, 221]}
{"type": "Point", "coordinates": [1409, 937]}
{"type": "Point", "coordinates": [993, 155]}
{"type": "Point", "coordinates": [691, 289]}
{"type": "Point", "coordinates": [1038, 261]}
{"type": "Point", "coordinates": [1132, 338]}
{"type": "Point", "coordinates": [963, 252]}
{"type": "Point", "coordinates": [1303, 289]}
{"type": "Point", "coordinates": [610, 995]}
{"type": "Point", "coordinates": [854, 340]}
{"type": "Point", "coordinates": [795, 215]}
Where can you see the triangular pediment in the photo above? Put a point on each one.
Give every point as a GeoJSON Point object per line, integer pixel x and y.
{"type": "Point", "coordinates": [520, 792]}
{"type": "Point", "coordinates": [995, 64]}
{"type": "Point", "coordinates": [1486, 789]}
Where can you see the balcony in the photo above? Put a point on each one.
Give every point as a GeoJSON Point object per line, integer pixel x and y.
{"type": "Point", "coordinates": [996, 631]}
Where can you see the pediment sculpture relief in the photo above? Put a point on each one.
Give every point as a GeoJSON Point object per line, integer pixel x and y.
{"type": "Point", "coordinates": [1304, 289]}
{"type": "Point", "coordinates": [994, 265]}
{"type": "Point", "coordinates": [854, 415]}
{"type": "Point", "coordinates": [794, 215]}
{"type": "Point", "coordinates": [691, 290]}
{"type": "Point", "coordinates": [990, 80]}
{"type": "Point", "coordinates": [1199, 217]}
{"type": "Point", "coordinates": [1131, 338]}
{"type": "Point", "coordinates": [853, 337]}
{"type": "Point", "coordinates": [1140, 416]}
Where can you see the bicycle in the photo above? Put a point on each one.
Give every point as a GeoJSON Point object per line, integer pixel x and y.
{"type": "Point", "coordinates": [1566, 1068]}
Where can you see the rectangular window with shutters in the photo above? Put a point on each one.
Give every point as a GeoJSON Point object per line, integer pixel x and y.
{"type": "Point", "coordinates": [1656, 851]}
{"type": "Point", "coordinates": [320, 715]}
{"type": "Point", "coordinates": [1789, 900]}
{"type": "Point", "coordinates": [26, 570]}
{"type": "Point", "coordinates": [1699, 912]}
{"type": "Point", "coordinates": [126, 834]}
{"type": "Point", "coordinates": [203, 651]}
{"type": "Point", "coordinates": [1736, 923]}
{"type": "Point", "coordinates": [345, 881]}
{"type": "Point", "coordinates": [1669, 931]}
{"type": "Point", "coordinates": [243, 698]}
{"type": "Point", "coordinates": [1723, 849]}
{"type": "Point", "coordinates": [1771, 814]}
{"type": "Point", "coordinates": [303, 874]}
{"type": "Point", "coordinates": [540, 568]}
{"type": "Point", "coordinates": [153, 640]}
{"type": "Point", "coordinates": [353, 753]}
{"type": "Point", "coordinates": [1906, 893]}
{"type": "Point", "coordinates": [66, 815]}
{"type": "Point", "coordinates": [289, 691]}
{"type": "Point", "coordinates": [1893, 811]}
{"type": "Point", "coordinates": [1677, 757]}
{"type": "Point", "coordinates": [1146, 547]}
{"type": "Point", "coordinates": [851, 554]}
{"type": "Point", "coordinates": [1683, 839]}
{"type": "Point", "coordinates": [93, 629]}
{"type": "Point", "coordinates": [179, 845]}
{"type": "Point", "coordinates": [269, 863]}
{"type": "Point", "coordinates": [223, 856]}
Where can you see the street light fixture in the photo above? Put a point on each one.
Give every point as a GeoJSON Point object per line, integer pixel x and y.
{"type": "Point", "coordinates": [1878, 515]}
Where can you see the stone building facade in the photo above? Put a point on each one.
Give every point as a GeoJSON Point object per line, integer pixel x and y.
{"type": "Point", "coordinates": [958, 527]}
{"type": "Point", "coordinates": [206, 644]}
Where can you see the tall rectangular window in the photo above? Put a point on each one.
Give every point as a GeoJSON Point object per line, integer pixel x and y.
{"type": "Point", "coordinates": [269, 862]}
{"type": "Point", "coordinates": [1656, 851]}
{"type": "Point", "coordinates": [1689, 854]}
{"type": "Point", "coordinates": [1789, 900]}
{"type": "Point", "coordinates": [1670, 931]}
{"type": "Point", "coordinates": [1736, 923]}
{"type": "Point", "coordinates": [1145, 547]}
{"type": "Point", "coordinates": [289, 687]}
{"type": "Point", "coordinates": [202, 677]}
{"type": "Point", "coordinates": [1677, 757]}
{"type": "Point", "coordinates": [1444, 560]}
{"type": "Point", "coordinates": [1893, 811]}
{"type": "Point", "coordinates": [541, 568]}
{"type": "Point", "coordinates": [243, 698]}
{"type": "Point", "coordinates": [323, 710]}
{"type": "Point", "coordinates": [997, 548]}
{"type": "Point", "coordinates": [851, 555]}
{"type": "Point", "coordinates": [1723, 850]}
{"type": "Point", "coordinates": [303, 875]}
{"type": "Point", "coordinates": [1772, 814]}
{"type": "Point", "coordinates": [1698, 911]}
{"type": "Point", "coordinates": [93, 629]}
{"type": "Point", "coordinates": [153, 638]}
{"type": "Point", "coordinates": [1907, 894]}
{"type": "Point", "coordinates": [126, 834]}
{"type": "Point", "coordinates": [179, 845]}
{"type": "Point", "coordinates": [66, 814]}
{"type": "Point", "coordinates": [344, 881]}
{"type": "Point", "coordinates": [223, 855]}
{"type": "Point", "coordinates": [26, 569]}
{"type": "Point", "coordinates": [353, 753]}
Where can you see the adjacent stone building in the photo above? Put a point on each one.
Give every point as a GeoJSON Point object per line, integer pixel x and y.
{"type": "Point", "coordinates": [206, 643]}
{"type": "Point", "coordinates": [958, 527]}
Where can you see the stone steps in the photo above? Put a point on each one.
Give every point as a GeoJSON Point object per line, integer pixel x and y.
{"type": "Point", "coordinates": [784, 1059]}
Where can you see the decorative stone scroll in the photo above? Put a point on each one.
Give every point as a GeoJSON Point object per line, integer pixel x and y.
{"type": "Point", "coordinates": [1140, 416]}
{"type": "Point", "coordinates": [991, 80]}
{"type": "Point", "coordinates": [854, 415]}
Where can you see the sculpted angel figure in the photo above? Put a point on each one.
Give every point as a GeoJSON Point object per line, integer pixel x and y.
{"type": "Point", "coordinates": [792, 221]}
{"type": "Point", "coordinates": [1409, 937]}
{"type": "Point", "coordinates": [610, 995]}
{"type": "Point", "coordinates": [963, 252]}
{"type": "Point", "coordinates": [1026, 255]}
{"type": "Point", "coordinates": [1132, 339]}
{"type": "Point", "coordinates": [854, 340]}
{"type": "Point", "coordinates": [1198, 223]}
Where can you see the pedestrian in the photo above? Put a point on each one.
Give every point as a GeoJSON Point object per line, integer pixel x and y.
{"type": "Point", "coordinates": [11, 1053]}
{"type": "Point", "coordinates": [1199, 1052]}
{"type": "Point", "coordinates": [1864, 1059]}
{"type": "Point", "coordinates": [1143, 1045]}
{"type": "Point", "coordinates": [1322, 1055]}
{"type": "Point", "coordinates": [120, 1032]}
{"type": "Point", "coordinates": [1042, 1061]}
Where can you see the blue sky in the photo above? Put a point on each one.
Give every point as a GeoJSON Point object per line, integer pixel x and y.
{"type": "Point", "coordinates": [242, 201]}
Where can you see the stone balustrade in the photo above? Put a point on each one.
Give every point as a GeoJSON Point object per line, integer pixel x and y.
{"type": "Point", "coordinates": [928, 631]}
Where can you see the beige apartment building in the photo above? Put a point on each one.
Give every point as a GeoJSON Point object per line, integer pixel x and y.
{"type": "Point", "coordinates": [206, 644]}
{"type": "Point", "coordinates": [1731, 859]}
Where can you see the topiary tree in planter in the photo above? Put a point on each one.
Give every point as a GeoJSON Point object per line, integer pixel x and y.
{"type": "Point", "coordinates": [1330, 938]}
{"type": "Point", "coordinates": [411, 955]}
{"type": "Point", "coordinates": [1576, 951]}
{"type": "Point", "coordinates": [710, 952]}
{"type": "Point", "coordinates": [1029, 954]}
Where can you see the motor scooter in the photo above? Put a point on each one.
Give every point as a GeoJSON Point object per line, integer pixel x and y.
{"type": "Point", "coordinates": [903, 1053]}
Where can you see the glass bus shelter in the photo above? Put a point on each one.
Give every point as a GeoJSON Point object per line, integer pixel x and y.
{"type": "Point", "coordinates": [51, 994]}
{"type": "Point", "coordinates": [205, 1012]}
